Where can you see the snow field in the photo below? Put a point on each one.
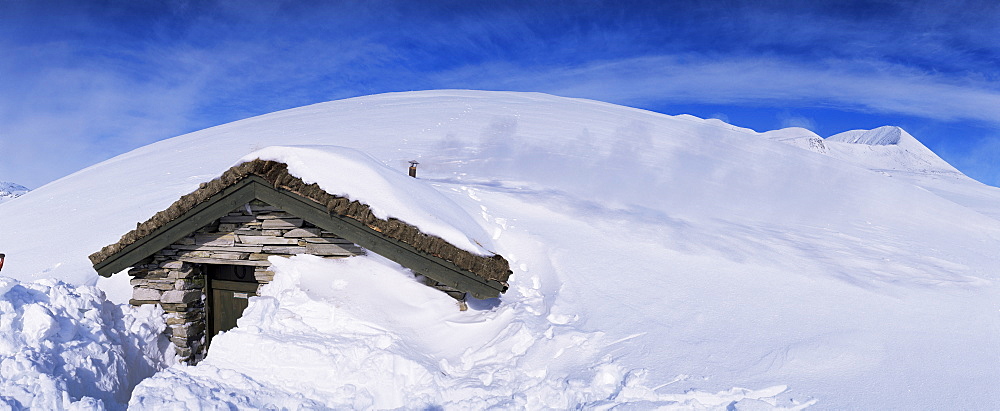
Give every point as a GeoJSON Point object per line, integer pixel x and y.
{"type": "Point", "coordinates": [361, 333]}
{"type": "Point", "coordinates": [659, 260]}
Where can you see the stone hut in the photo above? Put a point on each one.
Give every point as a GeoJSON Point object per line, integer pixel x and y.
{"type": "Point", "coordinates": [206, 254]}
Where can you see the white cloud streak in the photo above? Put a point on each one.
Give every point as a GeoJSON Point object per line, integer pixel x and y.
{"type": "Point", "coordinates": [69, 114]}
{"type": "Point", "coordinates": [852, 85]}
{"type": "Point", "coordinates": [67, 111]}
{"type": "Point", "coordinates": [75, 102]}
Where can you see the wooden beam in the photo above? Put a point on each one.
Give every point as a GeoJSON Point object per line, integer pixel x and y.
{"type": "Point", "coordinates": [220, 261]}
{"type": "Point", "coordinates": [254, 187]}
{"type": "Point", "coordinates": [201, 215]}
{"type": "Point", "coordinates": [352, 230]}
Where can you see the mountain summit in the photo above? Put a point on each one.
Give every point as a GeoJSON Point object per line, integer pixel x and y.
{"type": "Point", "coordinates": [11, 190]}
{"type": "Point", "coordinates": [882, 136]}
{"type": "Point", "coordinates": [887, 148]}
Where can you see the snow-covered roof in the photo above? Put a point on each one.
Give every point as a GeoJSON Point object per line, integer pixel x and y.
{"type": "Point", "coordinates": [389, 193]}
{"type": "Point", "coordinates": [348, 184]}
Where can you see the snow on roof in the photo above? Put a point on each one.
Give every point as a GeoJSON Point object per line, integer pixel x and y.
{"type": "Point", "coordinates": [356, 186]}
{"type": "Point", "coordinates": [390, 193]}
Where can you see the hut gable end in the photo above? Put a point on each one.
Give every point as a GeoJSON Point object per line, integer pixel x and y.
{"type": "Point", "coordinates": [179, 275]}
{"type": "Point", "coordinates": [269, 181]}
{"type": "Point", "coordinates": [202, 257]}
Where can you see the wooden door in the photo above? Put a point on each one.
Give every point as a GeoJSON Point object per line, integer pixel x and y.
{"type": "Point", "coordinates": [229, 288]}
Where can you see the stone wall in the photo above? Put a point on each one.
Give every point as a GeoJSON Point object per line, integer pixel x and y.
{"type": "Point", "coordinates": [175, 279]}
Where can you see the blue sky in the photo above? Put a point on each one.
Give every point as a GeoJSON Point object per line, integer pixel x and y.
{"type": "Point", "coordinates": [81, 82]}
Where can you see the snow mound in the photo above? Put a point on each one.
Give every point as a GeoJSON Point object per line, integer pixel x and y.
{"type": "Point", "coordinates": [350, 173]}
{"type": "Point", "coordinates": [10, 191]}
{"type": "Point", "coordinates": [66, 347]}
{"type": "Point", "coordinates": [361, 333]}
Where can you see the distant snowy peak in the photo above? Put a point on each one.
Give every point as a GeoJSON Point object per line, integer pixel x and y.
{"type": "Point", "coordinates": [882, 136]}
{"type": "Point", "coordinates": [11, 190]}
{"type": "Point", "coordinates": [884, 149]}
{"type": "Point", "coordinates": [887, 148]}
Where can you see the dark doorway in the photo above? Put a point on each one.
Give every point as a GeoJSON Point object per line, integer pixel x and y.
{"type": "Point", "coordinates": [229, 290]}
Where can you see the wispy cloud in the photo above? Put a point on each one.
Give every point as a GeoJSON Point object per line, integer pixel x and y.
{"type": "Point", "coordinates": [92, 82]}
{"type": "Point", "coordinates": [851, 85]}
{"type": "Point", "coordinates": [65, 113]}
{"type": "Point", "coordinates": [792, 120]}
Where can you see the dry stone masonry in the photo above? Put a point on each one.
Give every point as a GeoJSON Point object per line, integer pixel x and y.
{"type": "Point", "coordinates": [174, 277]}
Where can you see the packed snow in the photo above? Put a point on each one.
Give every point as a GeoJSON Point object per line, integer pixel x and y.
{"type": "Point", "coordinates": [658, 261]}
{"type": "Point", "coordinates": [67, 347]}
{"type": "Point", "coordinates": [9, 191]}
{"type": "Point", "coordinates": [361, 333]}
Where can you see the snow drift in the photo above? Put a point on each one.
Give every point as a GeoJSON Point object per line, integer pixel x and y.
{"type": "Point", "coordinates": [66, 347]}
{"type": "Point", "coordinates": [672, 258]}
{"type": "Point", "coordinates": [360, 333]}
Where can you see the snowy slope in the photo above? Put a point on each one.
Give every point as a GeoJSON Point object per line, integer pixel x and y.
{"type": "Point", "coordinates": [658, 254]}
{"type": "Point", "coordinates": [11, 190]}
